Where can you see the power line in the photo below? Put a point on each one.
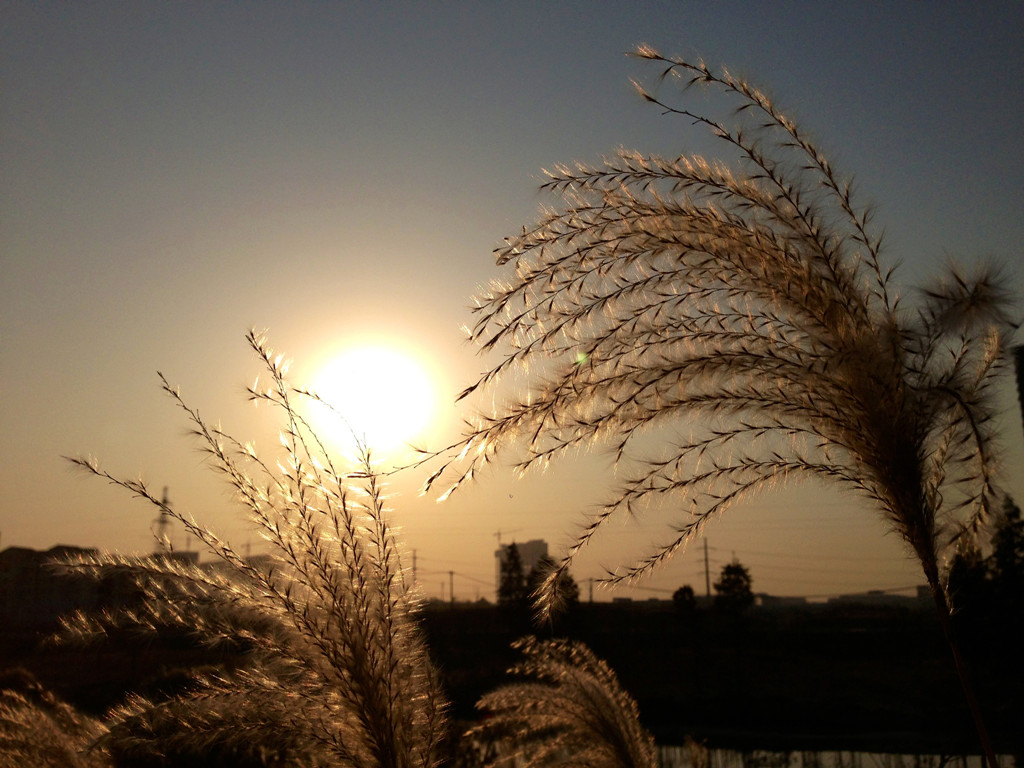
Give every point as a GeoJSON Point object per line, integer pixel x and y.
{"type": "Point", "coordinates": [805, 569]}
{"type": "Point", "coordinates": [488, 582]}
{"type": "Point", "coordinates": [807, 557]}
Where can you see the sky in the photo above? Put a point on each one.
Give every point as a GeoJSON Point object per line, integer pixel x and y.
{"type": "Point", "coordinates": [174, 174]}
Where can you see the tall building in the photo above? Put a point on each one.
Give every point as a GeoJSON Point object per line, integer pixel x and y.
{"type": "Point", "coordinates": [530, 553]}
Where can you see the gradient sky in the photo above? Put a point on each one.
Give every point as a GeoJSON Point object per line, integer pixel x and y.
{"type": "Point", "coordinates": [175, 173]}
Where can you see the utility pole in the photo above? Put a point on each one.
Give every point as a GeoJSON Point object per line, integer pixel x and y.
{"type": "Point", "coordinates": [161, 524]}
{"type": "Point", "coordinates": [591, 589]}
{"type": "Point", "coordinates": [451, 587]}
{"type": "Point", "coordinates": [707, 572]}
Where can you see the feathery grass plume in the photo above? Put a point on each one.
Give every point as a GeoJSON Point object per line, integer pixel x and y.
{"type": "Point", "coordinates": [333, 668]}
{"type": "Point", "coordinates": [568, 710]}
{"type": "Point", "coordinates": [38, 729]}
{"type": "Point", "coordinates": [739, 315]}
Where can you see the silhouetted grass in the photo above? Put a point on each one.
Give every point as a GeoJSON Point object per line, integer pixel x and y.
{"type": "Point", "coordinates": [38, 729]}
{"type": "Point", "coordinates": [741, 312]}
{"type": "Point", "coordinates": [566, 709]}
{"type": "Point", "coordinates": [334, 669]}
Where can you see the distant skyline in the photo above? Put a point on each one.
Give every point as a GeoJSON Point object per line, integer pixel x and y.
{"type": "Point", "coordinates": [174, 174]}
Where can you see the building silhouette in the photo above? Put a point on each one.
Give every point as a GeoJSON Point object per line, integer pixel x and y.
{"type": "Point", "coordinates": [34, 594]}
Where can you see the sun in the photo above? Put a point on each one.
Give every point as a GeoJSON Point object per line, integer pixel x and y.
{"type": "Point", "coordinates": [379, 394]}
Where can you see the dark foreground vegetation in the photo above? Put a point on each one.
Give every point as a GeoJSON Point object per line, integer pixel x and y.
{"type": "Point", "coordinates": [868, 679]}
{"type": "Point", "coordinates": [852, 678]}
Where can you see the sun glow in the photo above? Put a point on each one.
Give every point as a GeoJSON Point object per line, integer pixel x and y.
{"type": "Point", "coordinates": [376, 393]}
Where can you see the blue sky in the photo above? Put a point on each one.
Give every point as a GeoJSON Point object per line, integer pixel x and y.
{"type": "Point", "coordinates": [175, 173]}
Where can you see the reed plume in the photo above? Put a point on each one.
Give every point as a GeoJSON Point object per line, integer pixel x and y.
{"type": "Point", "coordinates": [567, 709]}
{"type": "Point", "coordinates": [726, 326]}
{"type": "Point", "coordinates": [332, 666]}
{"type": "Point", "coordinates": [38, 729]}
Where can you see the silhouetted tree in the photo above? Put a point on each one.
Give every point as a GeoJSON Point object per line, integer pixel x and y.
{"type": "Point", "coordinates": [732, 590]}
{"type": "Point", "coordinates": [684, 600]}
{"type": "Point", "coordinates": [969, 584]}
{"type": "Point", "coordinates": [1007, 562]}
{"type": "Point", "coordinates": [991, 589]}
{"type": "Point", "coordinates": [512, 589]}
